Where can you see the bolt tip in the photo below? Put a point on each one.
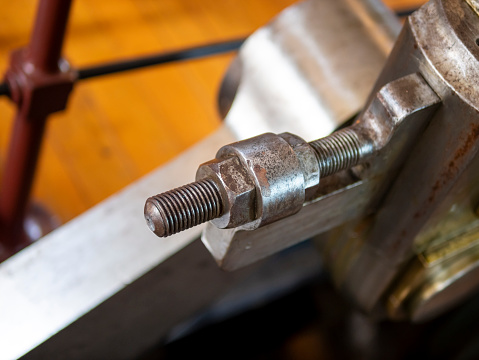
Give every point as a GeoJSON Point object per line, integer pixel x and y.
{"type": "Point", "coordinates": [179, 209]}
{"type": "Point", "coordinates": [154, 219]}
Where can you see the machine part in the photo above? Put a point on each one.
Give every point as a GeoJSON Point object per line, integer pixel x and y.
{"type": "Point", "coordinates": [54, 77]}
{"type": "Point", "coordinates": [256, 181]}
{"type": "Point", "coordinates": [310, 71]}
{"type": "Point", "coordinates": [393, 121]}
{"type": "Point", "coordinates": [420, 184]}
{"type": "Point", "coordinates": [474, 4]}
{"type": "Point", "coordinates": [39, 82]}
{"type": "Point", "coordinates": [384, 133]}
{"type": "Point", "coordinates": [186, 206]}
{"type": "Point", "coordinates": [409, 251]}
{"type": "Point", "coordinates": [435, 194]}
{"type": "Point", "coordinates": [441, 274]}
{"type": "Point", "coordinates": [103, 284]}
{"type": "Point", "coordinates": [297, 64]}
{"type": "Point", "coordinates": [236, 187]}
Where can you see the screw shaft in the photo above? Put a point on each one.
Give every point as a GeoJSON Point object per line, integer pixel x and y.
{"type": "Point", "coordinates": [184, 207]}
{"type": "Point", "coordinates": [338, 151]}
{"type": "Point", "coordinates": [190, 205]}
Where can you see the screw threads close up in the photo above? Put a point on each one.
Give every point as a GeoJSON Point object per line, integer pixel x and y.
{"type": "Point", "coordinates": [338, 151]}
{"type": "Point", "coordinates": [193, 204]}
{"type": "Point", "coordinates": [184, 207]}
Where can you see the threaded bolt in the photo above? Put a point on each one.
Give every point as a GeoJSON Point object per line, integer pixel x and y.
{"type": "Point", "coordinates": [184, 207]}
{"type": "Point", "coordinates": [193, 204]}
{"type": "Point", "coordinates": [338, 151]}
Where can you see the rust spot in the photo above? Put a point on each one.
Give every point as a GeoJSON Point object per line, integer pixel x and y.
{"type": "Point", "coordinates": [469, 142]}
{"type": "Point", "coordinates": [228, 176]}
{"type": "Point", "coordinates": [434, 189]}
{"type": "Point", "coordinates": [262, 179]}
{"type": "Point", "coordinates": [452, 168]}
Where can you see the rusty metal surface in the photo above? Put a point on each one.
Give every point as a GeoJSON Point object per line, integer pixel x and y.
{"type": "Point", "coordinates": [265, 178]}
{"type": "Point", "coordinates": [237, 190]}
{"type": "Point", "coordinates": [277, 173]}
{"type": "Point", "coordinates": [438, 42]}
{"type": "Point", "coordinates": [388, 129]}
{"type": "Point", "coordinates": [410, 250]}
{"type": "Point", "coordinates": [250, 183]}
{"type": "Point", "coordinates": [382, 135]}
{"type": "Point", "coordinates": [260, 180]}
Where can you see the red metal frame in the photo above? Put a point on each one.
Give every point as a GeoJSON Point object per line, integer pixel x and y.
{"type": "Point", "coordinates": [40, 82]}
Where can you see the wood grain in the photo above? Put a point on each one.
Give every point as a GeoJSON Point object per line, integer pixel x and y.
{"type": "Point", "coordinates": [118, 128]}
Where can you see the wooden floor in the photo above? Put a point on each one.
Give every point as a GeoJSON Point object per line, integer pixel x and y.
{"type": "Point", "coordinates": [118, 128]}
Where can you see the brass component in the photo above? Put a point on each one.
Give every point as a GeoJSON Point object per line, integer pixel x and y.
{"type": "Point", "coordinates": [474, 4]}
{"type": "Point", "coordinates": [439, 277]}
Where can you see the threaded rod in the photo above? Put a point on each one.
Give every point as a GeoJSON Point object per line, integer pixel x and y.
{"type": "Point", "coordinates": [338, 151]}
{"type": "Point", "coordinates": [190, 205]}
{"type": "Point", "coordinates": [184, 207]}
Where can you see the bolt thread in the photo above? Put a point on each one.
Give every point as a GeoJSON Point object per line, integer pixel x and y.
{"type": "Point", "coordinates": [184, 207]}
{"type": "Point", "coordinates": [338, 151]}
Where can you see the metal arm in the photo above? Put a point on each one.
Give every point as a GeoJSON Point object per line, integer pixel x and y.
{"type": "Point", "coordinates": [399, 232]}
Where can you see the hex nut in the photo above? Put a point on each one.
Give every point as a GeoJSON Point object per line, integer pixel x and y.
{"type": "Point", "coordinates": [307, 159]}
{"type": "Point", "coordinates": [237, 189]}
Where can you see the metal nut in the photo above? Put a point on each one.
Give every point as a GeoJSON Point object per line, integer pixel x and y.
{"type": "Point", "coordinates": [237, 190]}
{"type": "Point", "coordinates": [307, 158]}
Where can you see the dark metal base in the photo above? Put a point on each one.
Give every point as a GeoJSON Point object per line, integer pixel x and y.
{"type": "Point", "coordinates": [38, 222]}
{"type": "Point", "coordinates": [315, 322]}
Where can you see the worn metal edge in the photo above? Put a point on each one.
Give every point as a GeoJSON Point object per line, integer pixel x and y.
{"type": "Point", "coordinates": [55, 281]}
